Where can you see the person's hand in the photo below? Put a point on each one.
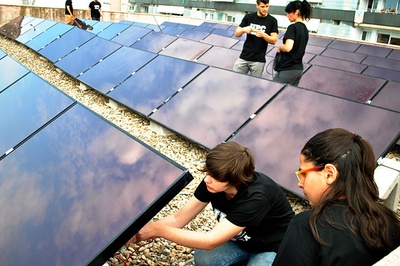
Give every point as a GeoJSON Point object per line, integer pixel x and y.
{"type": "Point", "coordinates": [259, 33]}
{"type": "Point", "coordinates": [132, 240]}
{"type": "Point", "coordinates": [248, 29]}
{"type": "Point", "coordinates": [148, 231]}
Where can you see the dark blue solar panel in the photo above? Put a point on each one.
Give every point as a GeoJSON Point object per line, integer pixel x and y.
{"type": "Point", "coordinates": [220, 57]}
{"type": "Point", "coordinates": [194, 35]}
{"type": "Point", "coordinates": [169, 24]}
{"type": "Point", "coordinates": [111, 31]}
{"type": "Point", "coordinates": [30, 25]}
{"type": "Point", "coordinates": [174, 31]}
{"type": "Point", "coordinates": [278, 133]}
{"type": "Point", "coordinates": [214, 105]}
{"type": "Point", "coordinates": [157, 28]}
{"type": "Point", "coordinates": [131, 35]}
{"type": "Point", "coordinates": [348, 85]}
{"type": "Point", "coordinates": [344, 55]}
{"type": "Point", "coordinates": [383, 73]}
{"type": "Point", "coordinates": [100, 26]}
{"type": "Point", "coordinates": [77, 188]}
{"type": "Point", "coordinates": [185, 26]}
{"type": "Point", "coordinates": [319, 41]}
{"type": "Point", "coordinates": [86, 56]}
{"type": "Point", "coordinates": [13, 69]}
{"type": "Point", "coordinates": [26, 106]}
{"type": "Point", "coordinates": [148, 88]}
{"type": "Point", "coordinates": [208, 24]}
{"type": "Point", "coordinates": [140, 24]}
{"type": "Point", "coordinates": [48, 36]}
{"type": "Point", "coordinates": [115, 68]}
{"type": "Point", "coordinates": [382, 62]}
{"type": "Point", "coordinates": [185, 49]}
{"type": "Point", "coordinates": [35, 31]}
{"type": "Point", "coordinates": [205, 29]}
{"type": "Point", "coordinates": [154, 42]}
{"type": "Point", "coordinates": [126, 22]}
{"type": "Point", "coordinates": [388, 97]}
{"type": "Point", "coordinates": [224, 32]}
{"type": "Point", "coordinates": [344, 45]}
{"type": "Point", "coordinates": [65, 44]}
{"type": "Point", "coordinates": [219, 40]}
{"type": "Point", "coordinates": [222, 26]}
{"type": "Point", "coordinates": [395, 54]}
{"type": "Point", "coordinates": [337, 64]}
{"type": "Point", "coordinates": [373, 50]}
{"type": "Point", "coordinates": [313, 49]}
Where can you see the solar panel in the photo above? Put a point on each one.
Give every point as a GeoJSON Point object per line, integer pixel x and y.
{"type": "Point", "coordinates": [194, 35]}
{"type": "Point", "coordinates": [156, 82]}
{"type": "Point", "coordinates": [35, 31]}
{"type": "Point", "coordinates": [383, 73]}
{"type": "Point", "coordinates": [314, 49]}
{"type": "Point", "coordinates": [382, 62]}
{"type": "Point", "coordinates": [154, 42]}
{"type": "Point", "coordinates": [395, 54]}
{"type": "Point", "coordinates": [185, 49]}
{"type": "Point", "coordinates": [219, 40]}
{"type": "Point", "coordinates": [48, 36]}
{"type": "Point", "coordinates": [16, 27]}
{"type": "Point", "coordinates": [130, 35]}
{"type": "Point", "coordinates": [214, 105]}
{"type": "Point", "coordinates": [344, 55]}
{"type": "Point", "coordinates": [174, 31]}
{"type": "Point", "coordinates": [344, 45]}
{"type": "Point", "coordinates": [388, 97]}
{"type": "Point", "coordinates": [374, 50]}
{"type": "Point", "coordinates": [13, 69]}
{"type": "Point", "coordinates": [110, 72]}
{"type": "Point", "coordinates": [26, 106]}
{"type": "Point", "coordinates": [277, 134]}
{"type": "Point", "coordinates": [344, 84]}
{"type": "Point", "coordinates": [64, 45]}
{"type": "Point", "coordinates": [2, 54]}
{"type": "Point", "coordinates": [319, 41]}
{"type": "Point", "coordinates": [224, 32]}
{"type": "Point", "coordinates": [78, 190]}
{"type": "Point", "coordinates": [30, 25]}
{"type": "Point", "coordinates": [113, 30]}
{"type": "Point", "coordinates": [205, 29]}
{"type": "Point", "coordinates": [338, 64]}
{"type": "Point", "coordinates": [220, 57]}
{"type": "Point", "coordinates": [86, 56]}
{"type": "Point", "coordinates": [100, 26]}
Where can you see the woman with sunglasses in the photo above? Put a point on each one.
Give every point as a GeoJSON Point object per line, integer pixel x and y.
{"type": "Point", "coordinates": [348, 224]}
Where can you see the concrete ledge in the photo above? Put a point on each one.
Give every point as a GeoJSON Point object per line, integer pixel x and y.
{"type": "Point", "coordinates": [393, 258]}
{"type": "Point", "coordinates": [159, 129]}
{"type": "Point", "coordinates": [387, 178]}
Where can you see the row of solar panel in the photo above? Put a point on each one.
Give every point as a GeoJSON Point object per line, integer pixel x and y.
{"type": "Point", "coordinates": [71, 183]}
{"type": "Point", "coordinates": [201, 98]}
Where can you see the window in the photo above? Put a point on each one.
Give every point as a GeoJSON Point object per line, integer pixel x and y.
{"type": "Point", "coordinates": [383, 38]}
{"type": "Point", "coordinates": [395, 41]}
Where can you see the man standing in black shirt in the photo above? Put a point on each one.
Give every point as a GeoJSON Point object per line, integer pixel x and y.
{"type": "Point", "coordinates": [69, 12]}
{"type": "Point", "coordinates": [94, 11]}
{"type": "Point", "coordinates": [261, 29]}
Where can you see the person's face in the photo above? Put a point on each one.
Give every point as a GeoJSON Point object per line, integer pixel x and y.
{"type": "Point", "coordinates": [314, 182]}
{"type": "Point", "coordinates": [262, 9]}
{"type": "Point", "coordinates": [293, 15]}
{"type": "Point", "coordinates": [215, 186]}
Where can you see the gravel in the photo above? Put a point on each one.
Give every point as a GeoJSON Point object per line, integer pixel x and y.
{"type": "Point", "coordinates": [179, 149]}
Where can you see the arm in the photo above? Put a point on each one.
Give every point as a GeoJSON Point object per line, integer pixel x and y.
{"type": "Point", "coordinates": [286, 47]}
{"type": "Point", "coordinates": [220, 234]}
{"type": "Point", "coordinates": [271, 39]}
{"type": "Point", "coordinates": [69, 11]}
{"type": "Point", "coordinates": [88, 13]}
{"type": "Point", "coordinates": [239, 31]}
{"type": "Point", "coordinates": [101, 12]}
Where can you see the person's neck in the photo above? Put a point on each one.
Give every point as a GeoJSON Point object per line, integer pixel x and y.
{"type": "Point", "coordinates": [260, 15]}
{"type": "Point", "coordinates": [230, 193]}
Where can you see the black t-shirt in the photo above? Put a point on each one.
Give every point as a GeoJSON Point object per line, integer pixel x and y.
{"type": "Point", "coordinates": [254, 48]}
{"type": "Point", "coordinates": [299, 246]}
{"type": "Point", "coordinates": [68, 3]}
{"type": "Point", "coordinates": [95, 9]}
{"type": "Point", "coordinates": [293, 60]}
{"type": "Point", "coordinates": [261, 207]}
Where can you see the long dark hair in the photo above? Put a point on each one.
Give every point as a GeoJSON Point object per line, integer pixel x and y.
{"type": "Point", "coordinates": [304, 8]}
{"type": "Point", "coordinates": [355, 162]}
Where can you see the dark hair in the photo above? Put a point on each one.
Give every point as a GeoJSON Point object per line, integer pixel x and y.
{"type": "Point", "coordinates": [355, 162]}
{"type": "Point", "coordinates": [304, 8]}
{"type": "Point", "coordinates": [230, 162]}
{"type": "Point", "coordinates": [262, 1]}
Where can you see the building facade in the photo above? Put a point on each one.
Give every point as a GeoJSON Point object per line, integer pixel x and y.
{"type": "Point", "coordinates": [376, 21]}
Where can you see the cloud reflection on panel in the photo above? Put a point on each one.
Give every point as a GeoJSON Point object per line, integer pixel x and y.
{"type": "Point", "coordinates": [295, 115]}
{"type": "Point", "coordinates": [73, 187]}
{"type": "Point", "coordinates": [153, 84]}
{"type": "Point", "coordinates": [214, 105]}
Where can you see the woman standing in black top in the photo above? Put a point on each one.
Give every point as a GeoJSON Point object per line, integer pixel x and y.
{"type": "Point", "coordinates": [294, 43]}
{"type": "Point", "coordinates": [348, 224]}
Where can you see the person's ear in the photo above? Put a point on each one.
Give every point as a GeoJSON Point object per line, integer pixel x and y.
{"type": "Point", "coordinates": [331, 173]}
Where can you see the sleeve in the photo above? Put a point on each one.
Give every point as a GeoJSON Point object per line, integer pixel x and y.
{"type": "Point", "coordinates": [250, 211]}
{"type": "Point", "coordinates": [245, 21]}
{"type": "Point", "coordinates": [298, 246]}
{"type": "Point", "coordinates": [275, 26]}
{"type": "Point", "coordinates": [201, 193]}
{"type": "Point", "coordinates": [290, 33]}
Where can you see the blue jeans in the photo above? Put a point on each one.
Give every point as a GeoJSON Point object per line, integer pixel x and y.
{"type": "Point", "coordinates": [230, 253]}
